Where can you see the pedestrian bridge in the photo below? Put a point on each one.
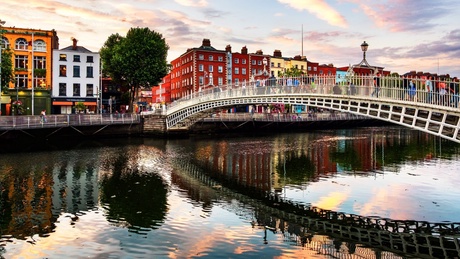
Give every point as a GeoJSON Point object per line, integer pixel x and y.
{"type": "Point", "coordinates": [434, 112]}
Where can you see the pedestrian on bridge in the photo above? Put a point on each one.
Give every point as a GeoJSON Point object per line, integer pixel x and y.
{"type": "Point", "coordinates": [376, 85]}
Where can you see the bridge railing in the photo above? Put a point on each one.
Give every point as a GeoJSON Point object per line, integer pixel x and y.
{"type": "Point", "coordinates": [445, 93]}
{"type": "Point", "coordinates": [66, 120]}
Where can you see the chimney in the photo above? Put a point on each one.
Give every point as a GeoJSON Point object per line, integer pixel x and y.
{"type": "Point", "coordinates": [74, 46]}
{"type": "Point", "coordinates": [206, 43]}
{"type": "Point", "coordinates": [244, 50]}
{"type": "Point", "coordinates": [277, 53]}
{"type": "Point", "coordinates": [228, 48]}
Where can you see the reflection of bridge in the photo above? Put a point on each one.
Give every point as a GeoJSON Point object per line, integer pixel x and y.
{"type": "Point", "coordinates": [432, 112]}
{"type": "Point", "coordinates": [305, 225]}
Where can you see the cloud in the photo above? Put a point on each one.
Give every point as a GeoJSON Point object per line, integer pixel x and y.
{"type": "Point", "coordinates": [404, 15]}
{"type": "Point", "coordinates": [193, 3]}
{"type": "Point", "coordinates": [320, 9]}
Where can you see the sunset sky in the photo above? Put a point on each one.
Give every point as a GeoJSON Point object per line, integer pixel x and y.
{"type": "Point", "coordinates": [403, 35]}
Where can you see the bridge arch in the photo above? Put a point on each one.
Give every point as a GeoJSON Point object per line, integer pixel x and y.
{"type": "Point", "coordinates": [390, 106]}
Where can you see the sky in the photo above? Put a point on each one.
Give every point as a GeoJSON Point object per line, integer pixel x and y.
{"type": "Point", "coordinates": [403, 35]}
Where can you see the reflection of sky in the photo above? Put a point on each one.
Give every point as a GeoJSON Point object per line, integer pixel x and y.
{"type": "Point", "coordinates": [418, 191]}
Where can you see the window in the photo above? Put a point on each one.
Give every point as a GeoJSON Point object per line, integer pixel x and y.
{"type": "Point", "coordinates": [237, 71]}
{"type": "Point", "coordinates": [40, 46]}
{"type": "Point", "coordinates": [279, 64]}
{"type": "Point", "coordinates": [253, 62]}
{"type": "Point", "coordinates": [237, 81]}
{"type": "Point", "coordinates": [201, 57]}
{"type": "Point", "coordinates": [211, 68]}
{"type": "Point", "coordinates": [220, 81]}
{"type": "Point", "coordinates": [89, 59]}
{"type": "Point", "coordinates": [243, 71]}
{"type": "Point", "coordinates": [63, 70]}
{"type": "Point", "coordinates": [200, 67]}
{"type": "Point", "coordinates": [237, 61]}
{"type": "Point", "coordinates": [220, 58]}
{"type": "Point", "coordinates": [243, 61]}
{"type": "Point", "coordinates": [201, 80]}
{"type": "Point", "coordinates": [21, 43]}
{"type": "Point", "coordinates": [259, 62]}
{"type": "Point", "coordinates": [309, 68]}
{"type": "Point", "coordinates": [89, 90]}
{"type": "Point", "coordinates": [76, 71]}
{"type": "Point", "coordinates": [21, 81]}
{"type": "Point", "coordinates": [211, 58]}
{"type": "Point", "coordinates": [5, 43]}
{"type": "Point", "coordinates": [20, 61]}
{"type": "Point", "coordinates": [220, 69]}
{"type": "Point", "coordinates": [76, 58]}
{"type": "Point", "coordinates": [89, 72]}
{"type": "Point", "coordinates": [315, 68]}
{"type": "Point", "coordinates": [39, 62]}
{"type": "Point", "coordinates": [62, 57]}
{"type": "Point", "coordinates": [76, 89]}
{"type": "Point", "coordinates": [62, 89]}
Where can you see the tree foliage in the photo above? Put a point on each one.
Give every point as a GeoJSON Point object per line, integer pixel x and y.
{"type": "Point", "coordinates": [7, 75]}
{"type": "Point", "coordinates": [292, 72]}
{"type": "Point", "coordinates": [137, 60]}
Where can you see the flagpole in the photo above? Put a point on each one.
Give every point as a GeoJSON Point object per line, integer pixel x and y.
{"type": "Point", "coordinates": [33, 81]}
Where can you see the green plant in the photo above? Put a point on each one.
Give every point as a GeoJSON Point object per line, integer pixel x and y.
{"type": "Point", "coordinates": [80, 106]}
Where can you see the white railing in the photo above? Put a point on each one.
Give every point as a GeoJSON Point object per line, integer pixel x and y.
{"type": "Point", "coordinates": [445, 93]}
{"type": "Point", "coordinates": [66, 120]}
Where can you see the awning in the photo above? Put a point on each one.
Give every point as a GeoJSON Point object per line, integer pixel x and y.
{"type": "Point", "coordinates": [90, 103]}
{"type": "Point", "coordinates": [62, 103]}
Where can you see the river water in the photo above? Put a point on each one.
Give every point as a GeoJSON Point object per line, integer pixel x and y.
{"type": "Point", "coordinates": [283, 195]}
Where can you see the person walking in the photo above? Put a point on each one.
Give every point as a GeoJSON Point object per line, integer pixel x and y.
{"type": "Point", "coordinates": [376, 85]}
{"type": "Point", "coordinates": [429, 89]}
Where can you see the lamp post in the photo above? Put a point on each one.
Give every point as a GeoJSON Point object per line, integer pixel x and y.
{"type": "Point", "coordinates": [364, 47]}
{"type": "Point", "coordinates": [1, 42]}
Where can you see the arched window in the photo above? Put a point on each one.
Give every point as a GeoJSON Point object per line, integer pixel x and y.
{"type": "Point", "coordinates": [39, 45]}
{"type": "Point", "coordinates": [5, 43]}
{"type": "Point", "coordinates": [21, 43]}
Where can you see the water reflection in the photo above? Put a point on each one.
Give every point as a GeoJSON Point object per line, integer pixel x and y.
{"type": "Point", "coordinates": [133, 197]}
{"type": "Point", "coordinates": [318, 194]}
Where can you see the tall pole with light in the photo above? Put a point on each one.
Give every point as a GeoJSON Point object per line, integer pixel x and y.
{"type": "Point", "coordinates": [33, 80]}
{"type": "Point", "coordinates": [1, 42]}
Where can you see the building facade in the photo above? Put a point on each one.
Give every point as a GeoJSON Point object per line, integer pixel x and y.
{"type": "Point", "coordinates": [76, 73]}
{"type": "Point", "coordinates": [32, 61]}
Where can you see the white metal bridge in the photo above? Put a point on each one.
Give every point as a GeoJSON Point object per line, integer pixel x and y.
{"type": "Point", "coordinates": [435, 112]}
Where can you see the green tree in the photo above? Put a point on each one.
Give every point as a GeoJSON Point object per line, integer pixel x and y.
{"type": "Point", "coordinates": [292, 72]}
{"type": "Point", "coordinates": [7, 69]}
{"type": "Point", "coordinates": [137, 60]}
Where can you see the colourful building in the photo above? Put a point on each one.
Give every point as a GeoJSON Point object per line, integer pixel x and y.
{"type": "Point", "coordinates": [32, 65]}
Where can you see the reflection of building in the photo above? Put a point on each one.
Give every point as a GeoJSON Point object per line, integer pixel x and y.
{"type": "Point", "coordinates": [32, 66]}
{"type": "Point", "coordinates": [76, 79]}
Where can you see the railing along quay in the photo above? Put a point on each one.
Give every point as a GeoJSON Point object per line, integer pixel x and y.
{"type": "Point", "coordinates": [284, 117]}
{"type": "Point", "coordinates": [65, 120]}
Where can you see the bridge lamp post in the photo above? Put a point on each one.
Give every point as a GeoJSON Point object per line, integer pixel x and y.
{"type": "Point", "coordinates": [364, 47]}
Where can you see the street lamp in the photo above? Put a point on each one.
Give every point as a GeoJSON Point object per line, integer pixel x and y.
{"type": "Point", "coordinates": [364, 47]}
{"type": "Point", "coordinates": [1, 42]}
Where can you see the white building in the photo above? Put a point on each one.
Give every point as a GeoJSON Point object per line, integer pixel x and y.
{"type": "Point", "coordinates": [76, 72]}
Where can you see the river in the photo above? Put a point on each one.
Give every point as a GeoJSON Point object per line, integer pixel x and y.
{"type": "Point", "coordinates": [345, 193]}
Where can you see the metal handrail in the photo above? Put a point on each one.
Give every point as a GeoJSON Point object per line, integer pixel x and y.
{"type": "Point", "coordinates": [66, 120]}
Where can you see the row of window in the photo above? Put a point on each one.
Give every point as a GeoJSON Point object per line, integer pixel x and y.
{"type": "Point", "coordinates": [76, 58]}
{"type": "Point", "coordinates": [76, 71]}
{"type": "Point", "coordinates": [22, 61]}
{"type": "Point", "coordinates": [76, 90]}
{"type": "Point", "coordinates": [211, 57]}
{"type": "Point", "coordinates": [23, 44]}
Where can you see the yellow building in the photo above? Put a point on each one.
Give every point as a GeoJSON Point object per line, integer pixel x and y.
{"type": "Point", "coordinates": [279, 64]}
{"type": "Point", "coordinates": [32, 66]}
